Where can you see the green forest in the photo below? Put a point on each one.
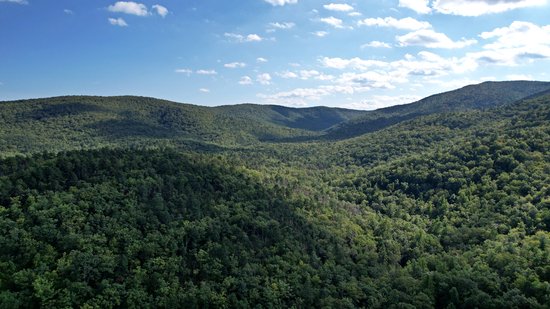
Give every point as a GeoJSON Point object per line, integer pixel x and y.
{"type": "Point", "coordinates": [131, 202]}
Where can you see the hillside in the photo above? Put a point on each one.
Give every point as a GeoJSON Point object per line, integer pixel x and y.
{"type": "Point", "coordinates": [77, 122]}
{"type": "Point", "coordinates": [445, 210]}
{"type": "Point", "coordinates": [472, 97]}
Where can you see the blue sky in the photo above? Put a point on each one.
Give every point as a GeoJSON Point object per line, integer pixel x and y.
{"type": "Point", "coordinates": [356, 54]}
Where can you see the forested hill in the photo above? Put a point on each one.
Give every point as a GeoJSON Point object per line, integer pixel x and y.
{"type": "Point", "coordinates": [446, 211]}
{"type": "Point", "coordinates": [77, 122]}
{"type": "Point", "coordinates": [472, 97]}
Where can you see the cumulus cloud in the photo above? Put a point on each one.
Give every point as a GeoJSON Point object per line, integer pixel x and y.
{"type": "Point", "coordinates": [264, 79]}
{"type": "Point", "coordinates": [129, 7]}
{"type": "Point", "coordinates": [419, 6]}
{"type": "Point", "coordinates": [431, 39]}
{"type": "Point", "coordinates": [245, 80]}
{"type": "Point", "coordinates": [161, 10]}
{"type": "Point", "coordinates": [235, 65]}
{"type": "Point", "coordinates": [118, 22]}
{"type": "Point", "coordinates": [510, 46]}
{"type": "Point", "coordinates": [468, 7]}
{"type": "Point", "coordinates": [333, 21]}
{"type": "Point", "coordinates": [407, 23]}
{"type": "Point", "coordinates": [261, 60]}
{"type": "Point", "coordinates": [243, 38]}
{"type": "Point", "coordinates": [206, 72]}
{"type": "Point", "coordinates": [376, 44]}
{"type": "Point", "coordinates": [281, 2]}
{"type": "Point", "coordinates": [482, 7]}
{"type": "Point", "coordinates": [340, 7]}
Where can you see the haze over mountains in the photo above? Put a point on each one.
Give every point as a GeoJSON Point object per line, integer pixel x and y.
{"type": "Point", "coordinates": [122, 202]}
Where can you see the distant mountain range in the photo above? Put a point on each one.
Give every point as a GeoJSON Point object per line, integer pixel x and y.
{"type": "Point", "coordinates": [75, 122]}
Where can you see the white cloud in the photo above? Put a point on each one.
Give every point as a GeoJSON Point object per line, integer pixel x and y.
{"type": "Point", "coordinates": [204, 90]}
{"type": "Point", "coordinates": [376, 44]}
{"type": "Point", "coordinates": [431, 39]}
{"type": "Point", "coordinates": [419, 6]}
{"type": "Point", "coordinates": [68, 12]}
{"type": "Point", "coordinates": [235, 65]}
{"type": "Point", "coordinates": [482, 7]}
{"type": "Point", "coordinates": [161, 10]}
{"type": "Point", "coordinates": [206, 72]}
{"type": "Point", "coordinates": [518, 43]}
{"type": "Point", "coordinates": [118, 22]}
{"type": "Point", "coordinates": [296, 97]}
{"type": "Point", "coordinates": [16, 1]}
{"type": "Point", "coordinates": [407, 23]}
{"type": "Point", "coordinates": [333, 21]}
{"type": "Point", "coordinates": [281, 2]}
{"type": "Point", "coordinates": [287, 75]}
{"type": "Point", "coordinates": [245, 80]}
{"type": "Point", "coordinates": [261, 60]}
{"type": "Point", "coordinates": [354, 14]}
{"type": "Point", "coordinates": [129, 7]}
{"type": "Point", "coordinates": [381, 101]}
{"type": "Point", "coordinates": [284, 26]}
{"type": "Point", "coordinates": [340, 7]}
{"type": "Point", "coordinates": [320, 33]}
{"type": "Point", "coordinates": [353, 63]}
{"type": "Point", "coordinates": [264, 79]}
{"type": "Point", "coordinates": [184, 71]}
{"type": "Point", "coordinates": [241, 38]}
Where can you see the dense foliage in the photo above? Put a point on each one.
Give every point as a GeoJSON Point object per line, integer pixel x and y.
{"type": "Point", "coordinates": [449, 210]}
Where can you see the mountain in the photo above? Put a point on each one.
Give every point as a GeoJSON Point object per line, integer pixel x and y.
{"type": "Point", "coordinates": [472, 97]}
{"type": "Point", "coordinates": [446, 210]}
{"type": "Point", "coordinates": [76, 121]}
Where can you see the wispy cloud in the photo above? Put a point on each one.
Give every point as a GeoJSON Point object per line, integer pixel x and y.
{"type": "Point", "coordinates": [161, 10]}
{"type": "Point", "coordinates": [243, 38]}
{"type": "Point", "coordinates": [118, 22]}
{"type": "Point", "coordinates": [281, 2]}
{"type": "Point", "coordinates": [284, 26]}
{"type": "Point", "coordinates": [431, 39]}
{"type": "Point", "coordinates": [235, 65]}
{"type": "Point", "coordinates": [407, 23]}
{"type": "Point", "coordinates": [376, 44]}
{"type": "Point", "coordinates": [16, 1]}
{"type": "Point", "coordinates": [206, 72]}
{"type": "Point", "coordinates": [320, 33]}
{"type": "Point", "coordinates": [184, 71]}
{"type": "Point", "coordinates": [204, 90]}
{"type": "Point", "coordinates": [261, 60]}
